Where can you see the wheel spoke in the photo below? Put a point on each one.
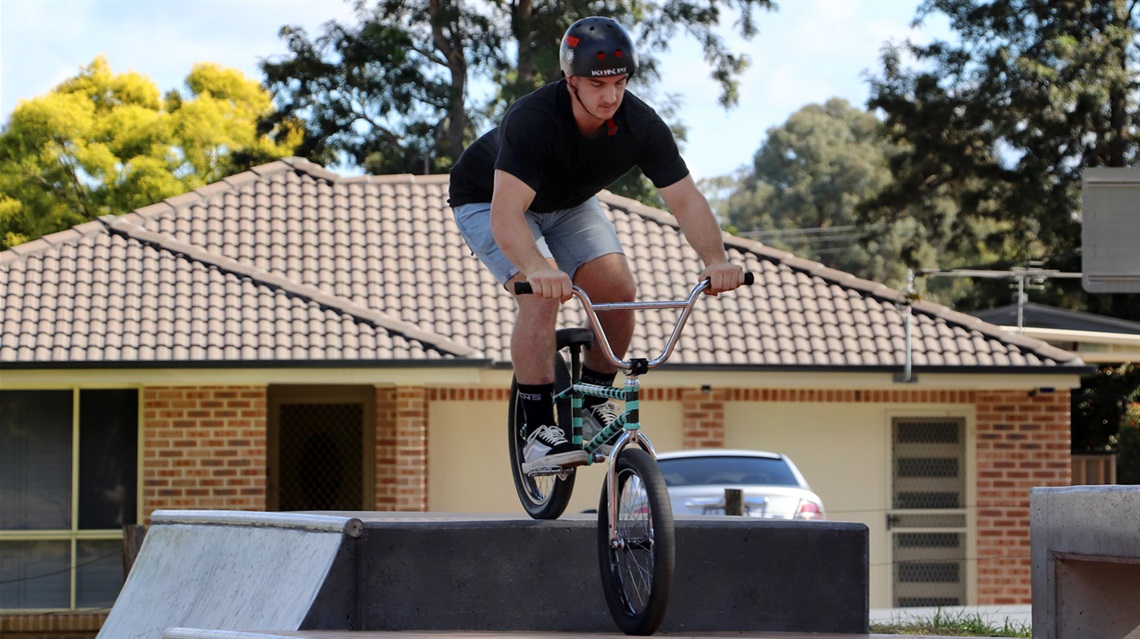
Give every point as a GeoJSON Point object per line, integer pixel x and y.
{"type": "Point", "coordinates": [635, 530]}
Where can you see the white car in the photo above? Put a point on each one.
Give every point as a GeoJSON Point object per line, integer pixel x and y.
{"type": "Point", "coordinates": [772, 487]}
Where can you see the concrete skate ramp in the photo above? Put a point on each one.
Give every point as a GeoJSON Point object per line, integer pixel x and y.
{"type": "Point", "coordinates": [265, 573]}
{"type": "Point", "coordinates": [238, 571]}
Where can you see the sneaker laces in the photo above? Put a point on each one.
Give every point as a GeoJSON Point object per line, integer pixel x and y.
{"type": "Point", "coordinates": [550, 435]}
{"type": "Point", "coordinates": [606, 413]}
{"type": "Point", "coordinates": [601, 416]}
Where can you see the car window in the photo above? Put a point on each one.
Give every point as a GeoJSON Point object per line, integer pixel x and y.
{"type": "Point", "coordinates": [705, 471]}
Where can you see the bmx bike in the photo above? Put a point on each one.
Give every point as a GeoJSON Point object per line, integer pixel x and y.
{"type": "Point", "coordinates": [635, 519]}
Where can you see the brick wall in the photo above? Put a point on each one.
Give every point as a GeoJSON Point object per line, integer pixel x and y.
{"type": "Point", "coordinates": [387, 492]}
{"type": "Point", "coordinates": [63, 625]}
{"type": "Point", "coordinates": [703, 425]}
{"type": "Point", "coordinates": [1022, 442]}
{"type": "Point", "coordinates": [204, 447]}
{"type": "Point", "coordinates": [411, 449]}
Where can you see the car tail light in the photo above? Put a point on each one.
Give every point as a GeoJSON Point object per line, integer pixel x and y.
{"type": "Point", "coordinates": [809, 511]}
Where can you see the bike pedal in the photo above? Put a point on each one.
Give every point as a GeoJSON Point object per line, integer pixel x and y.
{"type": "Point", "coordinates": [545, 471]}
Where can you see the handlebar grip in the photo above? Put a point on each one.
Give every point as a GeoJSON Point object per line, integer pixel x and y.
{"type": "Point", "coordinates": [749, 278]}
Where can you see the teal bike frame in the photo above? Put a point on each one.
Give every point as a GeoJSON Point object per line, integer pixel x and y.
{"type": "Point", "coordinates": [629, 421]}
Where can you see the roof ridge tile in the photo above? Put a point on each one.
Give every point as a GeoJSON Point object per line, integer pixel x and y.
{"type": "Point", "coordinates": [272, 168]}
{"type": "Point", "coordinates": [128, 228]}
{"type": "Point", "coordinates": [398, 178]}
{"type": "Point", "coordinates": [301, 165]}
{"type": "Point", "coordinates": [207, 191]}
{"type": "Point", "coordinates": [51, 240]}
{"type": "Point", "coordinates": [153, 210]}
{"type": "Point", "coordinates": [240, 180]}
{"type": "Point", "coordinates": [184, 201]}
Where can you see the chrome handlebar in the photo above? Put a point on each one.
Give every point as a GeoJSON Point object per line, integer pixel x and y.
{"type": "Point", "coordinates": [592, 310]}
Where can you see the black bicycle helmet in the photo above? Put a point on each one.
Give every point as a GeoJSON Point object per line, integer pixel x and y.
{"type": "Point", "coordinates": [597, 47]}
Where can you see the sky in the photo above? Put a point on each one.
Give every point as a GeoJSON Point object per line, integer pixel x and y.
{"type": "Point", "coordinates": [806, 52]}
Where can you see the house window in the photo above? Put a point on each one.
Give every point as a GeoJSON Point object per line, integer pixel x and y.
{"type": "Point", "coordinates": [68, 485]}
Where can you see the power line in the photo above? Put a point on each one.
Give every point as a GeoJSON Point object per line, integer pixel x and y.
{"type": "Point", "coordinates": [1027, 277]}
{"type": "Point", "coordinates": [817, 230]}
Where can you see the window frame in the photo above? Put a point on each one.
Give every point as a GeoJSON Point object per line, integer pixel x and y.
{"type": "Point", "coordinates": [75, 534]}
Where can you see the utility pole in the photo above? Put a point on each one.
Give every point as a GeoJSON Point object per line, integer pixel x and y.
{"type": "Point", "coordinates": [1027, 277]}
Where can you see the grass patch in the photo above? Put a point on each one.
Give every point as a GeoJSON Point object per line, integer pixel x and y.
{"type": "Point", "coordinates": [960, 624]}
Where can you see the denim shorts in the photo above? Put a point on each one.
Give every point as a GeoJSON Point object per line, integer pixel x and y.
{"type": "Point", "coordinates": [571, 236]}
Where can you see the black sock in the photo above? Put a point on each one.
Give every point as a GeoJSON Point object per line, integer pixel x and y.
{"type": "Point", "coordinates": [590, 376]}
{"type": "Point", "coordinates": [537, 404]}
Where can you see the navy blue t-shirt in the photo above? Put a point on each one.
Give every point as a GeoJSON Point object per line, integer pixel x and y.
{"type": "Point", "coordinates": [539, 143]}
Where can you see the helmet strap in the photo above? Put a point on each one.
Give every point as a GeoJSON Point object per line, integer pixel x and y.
{"type": "Point", "coordinates": [611, 127]}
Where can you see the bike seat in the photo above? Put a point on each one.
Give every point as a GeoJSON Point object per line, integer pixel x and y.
{"type": "Point", "coordinates": [571, 336]}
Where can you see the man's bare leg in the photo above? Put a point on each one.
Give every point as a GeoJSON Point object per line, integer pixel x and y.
{"type": "Point", "coordinates": [532, 353]}
{"type": "Point", "coordinates": [532, 340]}
{"type": "Point", "coordinates": [608, 279]}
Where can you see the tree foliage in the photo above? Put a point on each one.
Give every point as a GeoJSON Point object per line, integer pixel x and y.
{"type": "Point", "coordinates": [1101, 406]}
{"type": "Point", "coordinates": [805, 184]}
{"type": "Point", "coordinates": [103, 143]}
{"type": "Point", "coordinates": [1002, 122]}
{"type": "Point", "coordinates": [407, 86]}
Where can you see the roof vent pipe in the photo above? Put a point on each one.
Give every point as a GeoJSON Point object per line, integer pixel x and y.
{"type": "Point", "coordinates": [909, 295]}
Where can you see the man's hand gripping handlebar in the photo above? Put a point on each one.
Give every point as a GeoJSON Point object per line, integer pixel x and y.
{"type": "Point", "coordinates": [592, 310]}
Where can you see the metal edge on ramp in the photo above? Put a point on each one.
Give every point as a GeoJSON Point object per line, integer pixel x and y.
{"type": "Point", "coordinates": [228, 570]}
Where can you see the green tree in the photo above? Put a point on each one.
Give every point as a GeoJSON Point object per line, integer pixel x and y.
{"type": "Point", "coordinates": [1100, 406]}
{"type": "Point", "coordinates": [1002, 122]}
{"type": "Point", "coordinates": [103, 143]}
{"type": "Point", "coordinates": [404, 89]}
{"type": "Point", "coordinates": [805, 184]}
{"type": "Point", "coordinates": [805, 181]}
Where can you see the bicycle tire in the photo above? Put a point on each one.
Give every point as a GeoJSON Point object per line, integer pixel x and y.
{"type": "Point", "coordinates": [542, 497]}
{"type": "Point", "coordinates": [637, 576]}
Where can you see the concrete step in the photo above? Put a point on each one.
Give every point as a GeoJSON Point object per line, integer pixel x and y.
{"type": "Point", "coordinates": [450, 572]}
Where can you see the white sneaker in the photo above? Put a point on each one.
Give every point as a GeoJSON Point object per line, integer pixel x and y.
{"type": "Point", "coordinates": [547, 446]}
{"type": "Point", "coordinates": [595, 419]}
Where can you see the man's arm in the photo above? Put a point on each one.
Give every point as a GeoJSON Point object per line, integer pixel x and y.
{"type": "Point", "coordinates": [510, 200]}
{"type": "Point", "coordinates": [698, 223]}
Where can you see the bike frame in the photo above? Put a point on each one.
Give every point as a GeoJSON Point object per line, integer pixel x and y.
{"type": "Point", "coordinates": [629, 420]}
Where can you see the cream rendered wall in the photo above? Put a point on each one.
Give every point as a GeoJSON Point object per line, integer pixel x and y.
{"type": "Point", "coordinates": [844, 452]}
{"type": "Point", "coordinates": [468, 467]}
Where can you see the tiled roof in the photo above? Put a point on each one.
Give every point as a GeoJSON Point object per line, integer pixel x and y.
{"type": "Point", "coordinates": [289, 264]}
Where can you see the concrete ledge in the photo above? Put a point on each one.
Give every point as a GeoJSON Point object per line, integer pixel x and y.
{"type": "Point", "coordinates": [732, 574]}
{"type": "Point", "coordinates": [1085, 550]}
{"type": "Point", "coordinates": [447, 572]}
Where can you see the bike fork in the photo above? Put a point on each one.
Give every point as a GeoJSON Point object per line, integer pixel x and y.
{"type": "Point", "coordinates": [631, 434]}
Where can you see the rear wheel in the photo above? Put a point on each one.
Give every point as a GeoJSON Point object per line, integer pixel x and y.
{"type": "Point", "coordinates": [544, 496]}
{"type": "Point", "coordinates": [637, 567]}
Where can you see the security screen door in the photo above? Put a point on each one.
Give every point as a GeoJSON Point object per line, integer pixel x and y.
{"type": "Point", "coordinates": [927, 522]}
{"type": "Point", "coordinates": [321, 448]}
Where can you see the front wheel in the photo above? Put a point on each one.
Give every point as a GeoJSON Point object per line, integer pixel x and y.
{"type": "Point", "coordinates": [544, 496]}
{"type": "Point", "coordinates": [637, 567]}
